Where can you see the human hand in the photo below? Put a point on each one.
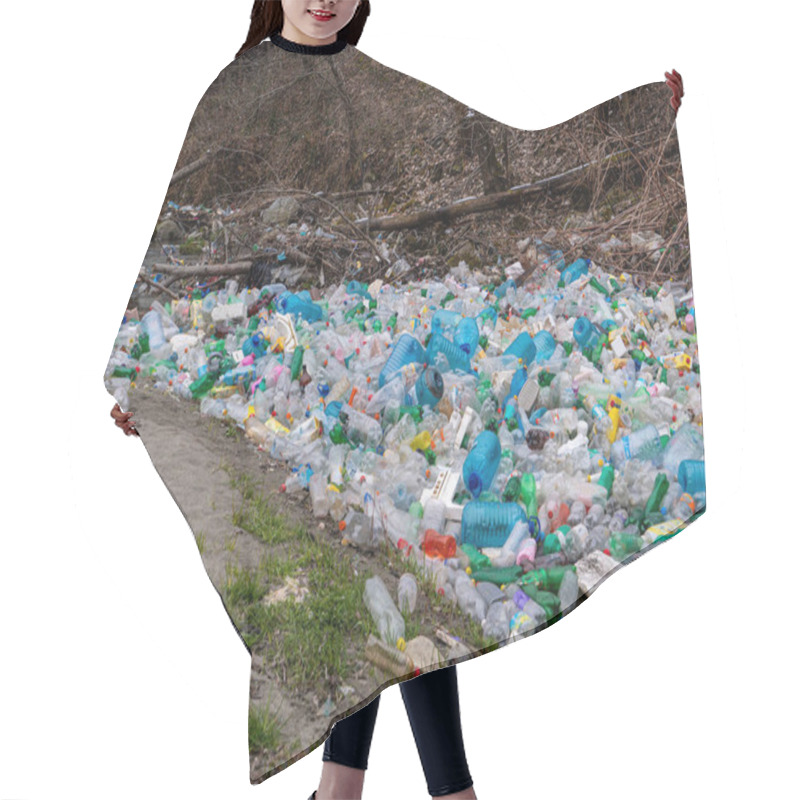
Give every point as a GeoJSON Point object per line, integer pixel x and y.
{"type": "Point", "coordinates": [675, 82]}
{"type": "Point", "coordinates": [123, 420]}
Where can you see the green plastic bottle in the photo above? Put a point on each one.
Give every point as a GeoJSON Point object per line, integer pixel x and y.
{"type": "Point", "coordinates": [338, 435]}
{"type": "Point", "coordinates": [501, 576]}
{"type": "Point", "coordinates": [606, 479]}
{"type": "Point", "coordinates": [477, 560]}
{"type": "Point", "coordinates": [512, 490]}
{"type": "Point", "coordinates": [547, 600]}
{"type": "Point", "coordinates": [660, 486]}
{"type": "Point", "coordinates": [622, 544]}
{"type": "Point", "coordinates": [297, 362]}
{"type": "Point", "coordinates": [527, 494]}
{"type": "Point", "coordinates": [548, 580]}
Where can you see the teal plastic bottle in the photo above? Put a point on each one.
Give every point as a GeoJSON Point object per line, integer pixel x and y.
{"type": "Point", "coordinates": [522, 347]}
{"type": "Point", "coordinates": [489, 524]}
{"type": "Point", "coordinates": [457, 359]}
{"type": "Point", "coordinates": [407, 350]}
{"type": "Point", "coordinates": [482, 462]}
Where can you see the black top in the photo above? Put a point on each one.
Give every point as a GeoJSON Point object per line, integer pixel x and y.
{"type": "Point", "coordinates": [313, 49]}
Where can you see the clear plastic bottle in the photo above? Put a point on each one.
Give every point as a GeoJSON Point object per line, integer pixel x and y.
{"type": "Point", "coordinates": [407, 593]}
{"type": "Point", "coordinates": [643, 444]}
{"type": "Point", "coordinates": [388, 619]}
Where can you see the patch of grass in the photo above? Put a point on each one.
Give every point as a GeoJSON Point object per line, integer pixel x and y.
{"type": "Point", "coordinates": [264, 730]}
{"type": "Point", "coordinates": [200, 538]}
{"type": "Point", "coordinates": [256, 516]}
{"type": "Point", "coordinates": [315, 634]}
{"type": "Point", "coordinates": [243, 585]}
{"type": "Point", "coordinates": [313, 637]}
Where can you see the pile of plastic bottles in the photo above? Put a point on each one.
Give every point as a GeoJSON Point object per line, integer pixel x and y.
{"type": "Point", "coordinates": [511, 437]}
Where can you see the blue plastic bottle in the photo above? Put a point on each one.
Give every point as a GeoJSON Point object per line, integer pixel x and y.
{"type": "Point", "coordinates": [500, 291]}
{"type": "Point", "coordinates": [445, 320]}
{"type": "Point", "coordinates": [356, 287]}
{"type": "Point", "coordinates": [457, 359]}
{"type": "Point", "coordinates": [481, 463]}
{"type": "Point", "coordinates": [429, 387]}
{"type": "Point", "coordinates": [692, 476]}
{"type": "Point", "coordinates": [545, 345]}
{"type": "Point", "coordinates": [467, 335]}
{"type": "Point", "coordinates": [556, 260]}
{"type": "Point", "coordinates": [489, 524]}
{"type": "Point", "coordinates": [295, 304]}
{"type": "Point", "coordinates": [575, 270]}
{"type": "Point", "coordinates": [517, 382]}
{"type": "Point", "coordinates": [585, 332]}
{"type": "Point", "coordinates": [522, 347]}
{"type": "Point", "coordinates": [407, 350]}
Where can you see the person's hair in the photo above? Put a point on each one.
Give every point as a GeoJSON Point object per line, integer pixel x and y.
{"type": "Point", "coordinates": [266, 19]}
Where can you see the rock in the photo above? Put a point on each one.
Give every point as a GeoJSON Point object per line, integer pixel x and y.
{"type": "Point", "coordinates": [423, 652]}
{"type": "Point", "coordinates": [282, 211]}
{"type": "Point", "coordinates": [169, 231]}
{"type": "Point", "coordinates": [592, 569]}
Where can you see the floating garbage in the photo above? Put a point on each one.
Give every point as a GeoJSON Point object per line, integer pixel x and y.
{"type": "Point", "coordinates": [517, 441]}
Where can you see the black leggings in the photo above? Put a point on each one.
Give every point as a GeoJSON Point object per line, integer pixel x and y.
{"type": "Point", "coordinates": [432, 706]}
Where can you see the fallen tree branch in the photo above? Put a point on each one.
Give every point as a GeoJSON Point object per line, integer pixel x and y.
{"type": "Point", "coordinates": [159, 286]}
{"type": "Point", "coordinates": [194, 166]}
{"type": "Point", "coordinates": [489, 202]}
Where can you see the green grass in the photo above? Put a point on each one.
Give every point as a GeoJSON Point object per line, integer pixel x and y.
{"type": "Point", "coordinates": [265, 732]}
{"type": "Point", "coordinates": [243, 585]}
{"type": "Point", "coordinates": [312, 638]}
{"type": "Point", "coordinates": [255, 514]}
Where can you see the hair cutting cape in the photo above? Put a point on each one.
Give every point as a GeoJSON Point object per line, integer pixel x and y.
{"type": "Point", "coordinates": [419, 381]}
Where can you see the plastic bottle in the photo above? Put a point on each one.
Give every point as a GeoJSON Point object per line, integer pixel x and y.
{"type": "Point", "coordinates": [468, 598]}
{"type": "Point", "coordinates": [318, 489]}
{"type": "Point", "coordinates": [447, 355]}
{"type": "Point", "coordinates": [482, 462]}
{"type": "Point", "coordinates": [388, 657]}
{"type": "Point", "coordinates": [360, 428]}
{"type": "Point", "coordinates": [644, 444]}
{"type": "Point", "coordinates": [508, 552]}
{"type": "Point", "coordinates": [429, 387]}
{"type": "Point", "coordinates": [586, 333]}
{"type": "Point", "coordinates": [624, 543]}
{"type": "Point", "coordinates": [466, 336]}
{"type": "Point", "coordinates": [407, 350]}
{"type": "Point", "coordinates": [545, 345]}
{"type": "Point", "coordinates": [489, 524]}
{"type": "Point", "coordinates": [686, 444]}
{"type": "Point", "coordinates": [445, 320]}
{"type": "Point", "coordinates": [575, 270]}
{"type": "Point", "coordinates": [154, 328]}
{"type": "Point", "coordinates": [692, 476]}
{"type": "Point", "coordinates": [437, 545]}
{"type": "Point", "coordinates": [522, 348]}
{"type": "Point", "coordinates": [388, 619]}
{"type": "Point", "coordinates": [296, 305]}
{"type": "Point", "coordinates": [407, 593]}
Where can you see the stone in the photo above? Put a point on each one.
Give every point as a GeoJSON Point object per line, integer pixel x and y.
{"type": "Point", "coordinates": [592, 569]}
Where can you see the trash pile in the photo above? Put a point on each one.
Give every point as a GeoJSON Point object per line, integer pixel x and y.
{"type": "Point", "coordinates": [520, 440]}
